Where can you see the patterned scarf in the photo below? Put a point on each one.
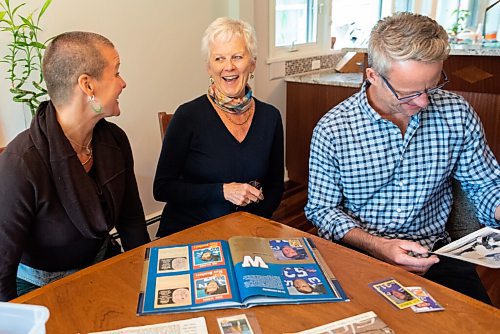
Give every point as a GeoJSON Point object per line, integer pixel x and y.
{"type": "Point", "coordinates": [232, 105]}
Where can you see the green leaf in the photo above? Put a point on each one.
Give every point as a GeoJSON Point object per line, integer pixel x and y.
{"type": "Point", "coordinates": [27, 21]}
{"type": "Point", "coordinates": [2, 14]}
{"type": "Point", "coordinates": [15, 9]}
{"type": "Point", "coordinates": [37, 45]}
{"type": "Point", "coordinates": [39, 87]}
{"type": "Point", "coordinates": [44, 8]}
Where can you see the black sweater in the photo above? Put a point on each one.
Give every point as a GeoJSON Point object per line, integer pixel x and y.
{"type": "Point", "coordinates": [199, 155]}
{"type": "Point", "coordinates": [51, 215]}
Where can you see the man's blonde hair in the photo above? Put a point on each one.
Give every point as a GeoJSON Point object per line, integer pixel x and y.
{"type": "Point", "coordinates": [406, 36]}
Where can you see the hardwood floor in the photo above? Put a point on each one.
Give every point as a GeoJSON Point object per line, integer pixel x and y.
{"type": "Point", "coordinates": [291, 210]}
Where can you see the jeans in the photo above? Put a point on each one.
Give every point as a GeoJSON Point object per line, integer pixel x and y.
{"type": "Point", "coordinates": [24, 286]}
{"type": "Point", "coordinates": [458, 275]}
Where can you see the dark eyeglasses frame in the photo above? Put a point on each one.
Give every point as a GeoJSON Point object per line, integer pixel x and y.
{"type": "Point", "coordinates": [428, 91]}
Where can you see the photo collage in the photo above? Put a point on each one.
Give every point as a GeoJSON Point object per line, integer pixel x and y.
{"type": "Point", "coordinates": [201, 282]}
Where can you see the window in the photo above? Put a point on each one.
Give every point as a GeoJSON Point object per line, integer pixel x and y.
{"type": "Point", "coordinates": [306, 28]}
{"type": "Point", "coordinates": [296, 22]}
{"type": "Point", "coordinates": [352, 20]}
{"type": "Point", "coordinates": [298, 28]}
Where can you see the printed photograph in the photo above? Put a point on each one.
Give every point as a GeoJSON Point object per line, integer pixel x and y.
{"type": "Point", "coordinates": [211, 285]}
{"type": "Point", "coordinates": [481, 247]}
{"type": "Point", "coordinates": [173, 259]}
{"type": "Point", "coordinates": [173, 264]}
{"type": "Point", "coordinates": [287, 250]}
{"type": "Point", "coordinates": [235, 325]}
{"type": "Point", "coordinates": [394, 292]}
{"type": "Point", "coordinates": [428, 303]}
{"type": "Point", "coordinates": [364, 323]}
{"type": "Point", "coordinates": [303, 281]}
{"type": "Point", "coordinates": [207, 255]}
{"type": "Point", "coordinates": [172, 291]}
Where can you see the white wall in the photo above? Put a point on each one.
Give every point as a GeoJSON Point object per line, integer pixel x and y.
{"type": "Point", "coordinates": [159, 46]}
{"type": "Point", "coordinates": [270, 91]}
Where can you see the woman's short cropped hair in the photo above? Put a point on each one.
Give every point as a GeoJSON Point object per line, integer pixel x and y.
{"type": "Point", "coordinates": [406, 36]}
{"type": "Point", "coordinates": [68, 56]}
{"type": "Point", "coordinates": [226, 28]}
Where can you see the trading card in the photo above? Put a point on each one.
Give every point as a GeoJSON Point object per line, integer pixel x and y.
{"type": "Point", "coordinates": [395, 293]}
{"type": "Point", "coordinates": [428, 303]}
{"type": "Point", "coordinates": [211, 285]}
{"type": "Point", "coordinates": [172, 291]}
{"type": "Point", "coordinates": [208, 254]}
{"type": "Point", "coordinates": [235, 324]}
{"type": "Point", "coordinates": [173, 259]}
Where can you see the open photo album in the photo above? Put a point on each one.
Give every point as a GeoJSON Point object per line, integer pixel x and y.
{"type": "Point", "coordinates": [238, 273]}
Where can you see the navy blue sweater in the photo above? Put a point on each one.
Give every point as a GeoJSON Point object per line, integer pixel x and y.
{"type": "Point", "coordinates": [199, 155]}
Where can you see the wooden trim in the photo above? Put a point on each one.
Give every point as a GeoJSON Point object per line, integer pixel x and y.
{"type": "Point", "coordinates": [163, 120]}
{"type": "Point", "coordinates": [306, 104]}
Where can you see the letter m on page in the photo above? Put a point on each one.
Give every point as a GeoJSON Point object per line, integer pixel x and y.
{"type": "Point", "coordinates": [256, 262]}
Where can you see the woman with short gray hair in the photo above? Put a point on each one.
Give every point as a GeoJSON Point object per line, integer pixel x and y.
{"type": "Point", "coordinates": [223, 151]}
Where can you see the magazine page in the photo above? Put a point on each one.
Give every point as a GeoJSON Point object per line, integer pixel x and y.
{"type": "Point", "coordinates": [188, 326]}
{"type": "Point", "coordinates": [275, 271]}
{"type": "Point", "coordinates": [480, 247]}
{"type": "Point", "coordinates": [367, 322]}
{"type": "Point", "coordinates": [188, 278]}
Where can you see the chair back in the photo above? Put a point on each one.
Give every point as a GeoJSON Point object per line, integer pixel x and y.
{"type": "Point", "coordinates": [462, 220]}
{"type": "Point", "coordinates": [164, 119]}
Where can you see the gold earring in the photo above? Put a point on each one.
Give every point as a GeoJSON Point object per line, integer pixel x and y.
{"type": "Point", "coordinates": [252, 76]}
{"type": "Point", "coordinates": [211, 80]}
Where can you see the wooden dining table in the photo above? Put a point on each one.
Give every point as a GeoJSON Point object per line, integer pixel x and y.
{"type": "Point", "coordinates": [104, 296]}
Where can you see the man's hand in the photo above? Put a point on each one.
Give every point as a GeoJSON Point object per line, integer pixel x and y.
{"type": "Point", "coordinates": [393, 251]}
{"type": "Point", "coordinates": [241, 194]}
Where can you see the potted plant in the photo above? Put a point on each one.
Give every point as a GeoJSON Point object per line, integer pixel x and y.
{"type": "Point", "coordinates": [460, 22]}
{"type": "Point", "coordinates": [25, 52]}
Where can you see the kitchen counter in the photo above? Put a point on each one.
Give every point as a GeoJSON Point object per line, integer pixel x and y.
{"type": "Point", "coordinates": [474, 73]}
{"type": "Point", "coordinates": [456, 50]}
{"type": "Point", "coordinates": [328, 77]}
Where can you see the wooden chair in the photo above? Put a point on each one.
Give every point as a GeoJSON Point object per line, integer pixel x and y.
{"type": "Point", "coordinates": [164, 119]}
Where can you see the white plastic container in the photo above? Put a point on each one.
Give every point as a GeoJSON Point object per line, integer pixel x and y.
{"type": "Point", "coordinates": [22, 318]}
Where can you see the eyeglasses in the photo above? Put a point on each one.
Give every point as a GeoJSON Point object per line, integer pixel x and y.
{"type": "Point", "coordinates": [427, 91]}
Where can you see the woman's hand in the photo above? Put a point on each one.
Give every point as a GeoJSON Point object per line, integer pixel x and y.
{"type": "Point", "coordinates": [241, 194]}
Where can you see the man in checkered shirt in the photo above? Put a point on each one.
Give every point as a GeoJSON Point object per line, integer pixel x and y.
{"type": "Point", "coordinates": [382, 161]}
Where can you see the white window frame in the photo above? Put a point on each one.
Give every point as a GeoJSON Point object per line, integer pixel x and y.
{"type": "Point", "coordinates": [321, 47]}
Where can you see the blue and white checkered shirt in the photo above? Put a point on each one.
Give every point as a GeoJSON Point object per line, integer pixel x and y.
{"type": "Point", "coordinates": [364, 174]}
